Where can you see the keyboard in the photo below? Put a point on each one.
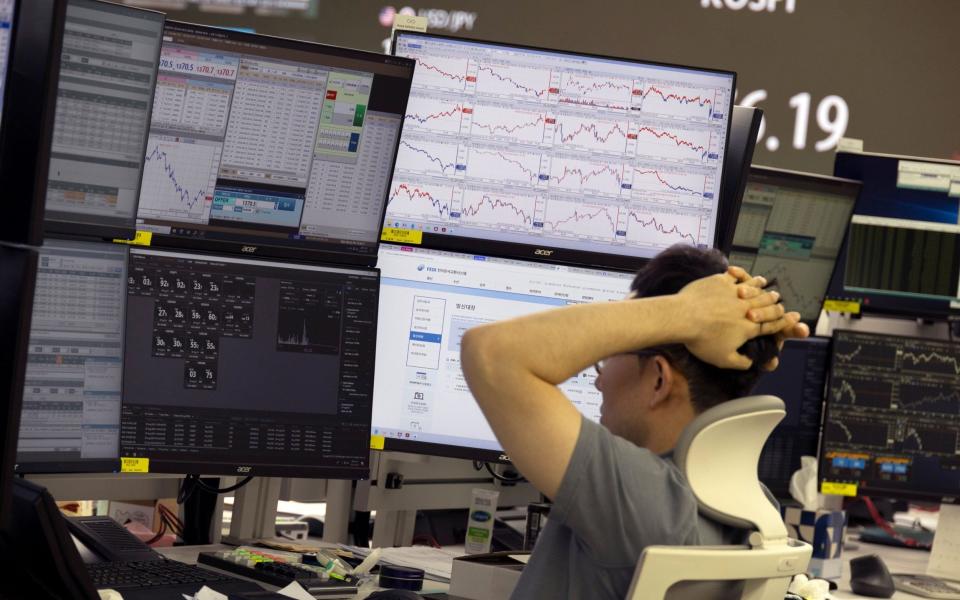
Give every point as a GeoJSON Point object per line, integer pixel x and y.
{"type": "Point", "coordinates": [927, 587]}
{"type": "Point", "coordinates": [278, 568]}
{"type": "Point", "coordinates": [145, 574]}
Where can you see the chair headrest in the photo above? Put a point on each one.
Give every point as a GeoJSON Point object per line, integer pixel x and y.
{"type": "Point", "coordinates": [719, 451]}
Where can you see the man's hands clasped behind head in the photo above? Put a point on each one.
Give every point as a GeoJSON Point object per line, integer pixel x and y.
{"type": "Point", "coordinates": [718, 314]}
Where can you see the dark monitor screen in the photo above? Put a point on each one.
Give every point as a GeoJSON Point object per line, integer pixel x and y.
{"type": "Point", "coordinates": [799, 381]}
{"type": "Point", "coordinates": [902, 256]}
{"type": "Point", "coordinates": [744, 128]}
{"type": "Point", "coordinates": [271, 146]}
{"type": "Point", "coordinates": [243, 366]}
{"type": "Point", "coordinates": [108, 71]}
{"type": "Point", "coordinates": [892, 424]}
{"type": "Point", "coordinates": [790, 228]}
{"type": "Point", "coordinates": [17, 275]}
{"type": "Point", "coordinates": [428, 299]}
{"type": "Point", "coordinates": [547, 154]}
{"type": "Point", "coordinates": [31, 33]}
{"type": "Point", "coordinates": [70, 420]}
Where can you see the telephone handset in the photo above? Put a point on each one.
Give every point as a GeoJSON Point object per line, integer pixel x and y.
{"type": "Point", "coordinates": [109, 541]}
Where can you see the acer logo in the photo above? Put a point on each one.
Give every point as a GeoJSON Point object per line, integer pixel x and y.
{"type": "Point", "coordinates": [244, 469]}
{"type": "Point", "coordinates": [248, 249]}
{"type": "Point", "coordinates": [542, 252]}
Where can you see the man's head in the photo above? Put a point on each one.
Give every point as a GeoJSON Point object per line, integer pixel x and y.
{"type": "Point", "coordinates": [649, 396]}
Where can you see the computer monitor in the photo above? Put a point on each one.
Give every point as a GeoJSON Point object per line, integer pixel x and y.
{"type": "Point", "coordinates": [790, 228]}
{"type": "Point", "coordinates": [892, 423]}
{"type": "Point", "coordinates": [108, 70]}
{"type": "Point", "coordinates": [70, 420]}
{"type": "Point", "coordinates": [545, 154]}
{"type": "Point", "coordinates": [902, 257]}
{"type": "Point", "coordinates": [428, 298]}
{"type": "Point", "coordinates": [239, 366]}
{"type": "Point", "coordinates": [273, 147]}
{"type": "Point", "coordinates": [744, 128]}
{"type": "Point", "coordinates": [799, 381]}
{"type": "Point", "coordinates": [18, 269]}
{"type": "Point", "coordinates": [31, 33]}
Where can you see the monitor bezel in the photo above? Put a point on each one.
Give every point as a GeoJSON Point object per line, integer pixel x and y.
{"type": "Point", "coordinates": [736, 174]}
{"type": "Point", "coordinates": [237, 468]}
{"type": "Point", "coordinates": [15, 318]}
{"type": "Point", "coordinates": [546, 252]}
{"type": "Point", "coordinates": [262, 247]}
{"type": "Point", "coordinates": [812, 181]}
{"type": "Point", "coordinates": [909, 494]}
{"type": "Point", "coordinates": [25, 140]}
{"type": "Point", "coordinates": [903, 307]}
{"type": "Point", "coordinates": [66, 226]}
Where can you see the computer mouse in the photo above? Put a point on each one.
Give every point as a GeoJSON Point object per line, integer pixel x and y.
{"type": "Point", "coordinates": [869, 576]}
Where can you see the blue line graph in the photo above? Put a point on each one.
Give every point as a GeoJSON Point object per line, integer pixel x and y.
{"type": "Point", "coordinates": [405, 162]}
{"type": "Point", "coordinates": [178, 179]}
{"type": "Point", "coordinates": [168, 168]}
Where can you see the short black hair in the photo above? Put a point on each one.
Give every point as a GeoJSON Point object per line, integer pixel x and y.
{"type": "Point", "coordinates": [668, 273]}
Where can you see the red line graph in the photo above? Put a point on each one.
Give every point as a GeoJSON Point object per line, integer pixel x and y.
{"type": "Point", "coordinates": [586, 214]}
{"type": "Point", "coordinates": [441, 72]}
{"type": "Point", "coordinates": [593, 130]}
{"type": "Point", "coordinates": [494, 203]}
{"type": "Point", "coordinates": [681, 98]}
{"type": "Point", "coordinates": [667, 184]}
{"type": "Point", "coordinates": [507, 128]}
{"type": "Point", "coordinates": [422, 119]}
{"type": "Point", "coordinates": [415, 193]}
{"type": "Point", "coordinates": [680, 142]}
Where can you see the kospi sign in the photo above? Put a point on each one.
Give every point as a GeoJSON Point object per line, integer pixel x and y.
{"type": "Point", "coordinates": [754, 5]}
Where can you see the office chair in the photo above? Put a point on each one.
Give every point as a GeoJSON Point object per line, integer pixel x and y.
{"type": "Point", "coordinates": [718, 453]}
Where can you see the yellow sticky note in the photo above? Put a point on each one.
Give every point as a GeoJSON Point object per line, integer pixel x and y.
{"type": "Point", "coordinates": [130, 464]}
{"type": "Point", "coordinates": [834, 488]}
{"type": "Point", "coordinates": [402, 236]}
{"type": "Point", "coordinates": [842, 306]}
{"type": "Point", "coordinates": [142, 238]}
{"type": "Point", "coordinates": [377, 442]}
{"type": "Point", "coordinates": [410, 23]}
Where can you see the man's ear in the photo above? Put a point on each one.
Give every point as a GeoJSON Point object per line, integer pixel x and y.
{"type": "Point", "coordinates": [666, 379]}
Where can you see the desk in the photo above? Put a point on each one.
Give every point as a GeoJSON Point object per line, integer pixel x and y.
{"type": "Point", "coordinates": [898, 560]}
{"type": "Point", "coordinates": [188, 554]}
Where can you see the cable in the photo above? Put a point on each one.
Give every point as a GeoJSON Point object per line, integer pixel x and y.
{"type": "Point", "coordinates": [190, 484]}
{"type": "Point", "coordinates": [886, 527]}
{"type": "Point", "coordinates": [478, 465]}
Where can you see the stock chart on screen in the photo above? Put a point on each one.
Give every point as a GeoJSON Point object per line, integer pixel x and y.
{"type": "Point", "coordinates": [600, 155]}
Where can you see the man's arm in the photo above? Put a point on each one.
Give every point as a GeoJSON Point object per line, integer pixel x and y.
{"type": "Point", "coordinates": [513, 367]}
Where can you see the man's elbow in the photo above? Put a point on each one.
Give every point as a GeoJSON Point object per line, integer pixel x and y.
{"type": "Point", "coordinates": [476, 355]}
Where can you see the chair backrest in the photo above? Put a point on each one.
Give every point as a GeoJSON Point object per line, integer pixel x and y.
{"type": "Point", "coordinates": [718, 453]}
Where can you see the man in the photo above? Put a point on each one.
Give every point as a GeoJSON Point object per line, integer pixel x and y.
{"type": "Point", "coordinates": [663, 355]}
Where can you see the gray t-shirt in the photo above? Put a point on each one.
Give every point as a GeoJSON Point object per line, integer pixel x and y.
{"type": "Point", "coordinates": [616, 498]}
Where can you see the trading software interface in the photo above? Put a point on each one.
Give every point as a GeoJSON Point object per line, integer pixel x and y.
{"type": "Point", "coordinates": [6, 33]}
{"type": "Point", "coordinates": [233, 362]}
{"type": "Point", "coordinates": [799, 381]}
{"type": "Point", "coordinates": [435, 296]}
{"type": "Point", "coordinates": [71, 396]}
{"type": "Point", "coordinates": [585, 153]}
{"type": "Point", "coordinates": [107, 74]}
{"type": "Point", "coordinates": [791, 229]}
{"type": "Point", "coordinates": [893, 415]}
{"type": "Point", "coordinates": [292, 143]}
{"type": "Point", "coordinates": [903, 252]}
